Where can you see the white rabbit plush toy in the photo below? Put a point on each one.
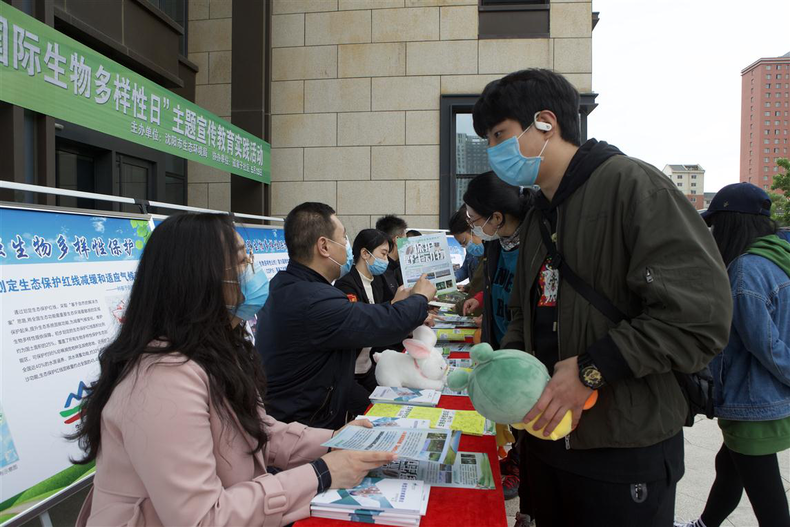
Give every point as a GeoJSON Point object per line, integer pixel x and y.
{"type": "Point", "coordinates": [421, 367]}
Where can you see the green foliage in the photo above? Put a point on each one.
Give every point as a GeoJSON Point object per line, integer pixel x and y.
{"type": "Point", "coordinates": [780, 210]}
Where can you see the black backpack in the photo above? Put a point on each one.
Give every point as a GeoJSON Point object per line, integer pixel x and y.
{"type": "Point", "coordinates": [697, 387]}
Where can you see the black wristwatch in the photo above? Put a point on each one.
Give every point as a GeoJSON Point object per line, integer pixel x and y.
{"type": "Point", "coordinates": [589, 374]}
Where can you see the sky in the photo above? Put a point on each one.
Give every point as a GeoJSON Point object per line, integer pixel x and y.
{"type": "Point", "coordinates": [668, 75]}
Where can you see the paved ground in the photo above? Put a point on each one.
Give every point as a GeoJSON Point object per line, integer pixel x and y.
{"type": "Point", "coordinates": [703, 441]}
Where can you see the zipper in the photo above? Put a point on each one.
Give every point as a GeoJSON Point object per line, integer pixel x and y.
{"type": "Point", "coordinates": [323, 404]}
{"type": "Point", "coordinates": [648, 275]}
{"type": "Point", "coordinates": [556, 238]}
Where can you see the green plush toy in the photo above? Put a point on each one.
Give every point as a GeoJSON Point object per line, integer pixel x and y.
{"type": "Point", "coordinates": [504, 385]}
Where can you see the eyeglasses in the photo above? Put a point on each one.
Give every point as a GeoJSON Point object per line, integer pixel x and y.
{"type": "Point", "coordinates": [470, 221]}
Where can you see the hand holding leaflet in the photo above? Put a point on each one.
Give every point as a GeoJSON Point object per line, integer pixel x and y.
{"type": "Point", "coordinates": [434, 445]}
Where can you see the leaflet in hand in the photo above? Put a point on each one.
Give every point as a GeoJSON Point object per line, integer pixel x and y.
{"type": "Point", "coordinates": [396, 422]}
{"type": "Point", "coordinates": [412, 396]}
{"type": "Point", "coordinates": [471, 470]}
{"type": "Point", "coordinates": [427, 255]}
{"type": "Point", "coordinates": [421, 444]}
{"type": "Point", "coordinates": [465, 421]}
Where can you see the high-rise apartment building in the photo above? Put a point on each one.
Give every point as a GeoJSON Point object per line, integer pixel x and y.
{"type": "Point", "coordinates": [690, 180]}
{"type": "Point", "coordinates": [765, 113]}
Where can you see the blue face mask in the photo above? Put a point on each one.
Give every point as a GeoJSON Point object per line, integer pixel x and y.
{"type": "Point", "coordinates": [475, 249]}
{"type": "Point", "coordinates": [346, 267]}
{"type": "Point", "coordinates": [511, 166]}
{"type": "Point", "coordinates": [378, 267]}
{"type": "Point", "coordinates": [255, 288]}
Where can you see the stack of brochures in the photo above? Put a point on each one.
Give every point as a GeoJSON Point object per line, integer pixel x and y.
{"type": "Point", "coordinates": [410, 396]}
{"type": "Point", "coordinates": [378, 501]}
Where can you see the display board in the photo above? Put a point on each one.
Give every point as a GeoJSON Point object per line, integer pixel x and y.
{"type": "Point", "coordinates": [64, 281]}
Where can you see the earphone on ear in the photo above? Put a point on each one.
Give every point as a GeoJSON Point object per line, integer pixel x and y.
{"type": "Point", "coordinates": [540, 125]}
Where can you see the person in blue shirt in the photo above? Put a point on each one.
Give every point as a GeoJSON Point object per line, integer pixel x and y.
{"type": "Point", "coordinates": [460, 230]}
{"type": "Point", "coordinates": [752, 374]}
{"type": "Point", "coordinates": [495, 211]}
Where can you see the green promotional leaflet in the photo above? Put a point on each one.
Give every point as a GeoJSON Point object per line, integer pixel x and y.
{"type": "Point", "coordinates": [47, 72]}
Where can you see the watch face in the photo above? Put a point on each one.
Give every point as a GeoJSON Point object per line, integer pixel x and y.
{"type": "Point", "coordinates": [592, 377]}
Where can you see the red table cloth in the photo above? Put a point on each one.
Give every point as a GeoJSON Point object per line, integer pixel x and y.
{"type": "Point", "coordinates": [448, 507]}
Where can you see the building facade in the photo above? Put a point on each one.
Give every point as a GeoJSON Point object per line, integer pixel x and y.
{"type": "Point", "coordinates": [369, 101]}
{"type": "Point", "coordinates": [765, 114]}
{"type": "Point", "coordinates": [690, 180]}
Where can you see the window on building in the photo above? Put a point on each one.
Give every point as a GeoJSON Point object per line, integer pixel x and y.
{"type": "Point", "coordinates": [768, 105]}
{"type": "Point", "coordinates": [768, 76]}
{"type": "Point", "coordinates": [693, 184]}
{"type": "Point", "coordinates": [767, 95]}
{"type": "Point", "coordinates": [514, 19]}
{"type": "Point", "coordinates": [767, 151]}
{"type": "Point", "coordinates": [766, 160]}
{"type": "Point", "coordinates": [765, 187]}
{"type": "Point", "coordinates": [176, 10]}
{"type": "Point", "coordinates": [765, 178]}
{"type": "Point", "coordinates": [693, 176]}
{"type": "Point", "coordinates": [765, 169]}
{"type": "Point", "coordinates": [767, 114]}
{"type": "Point", "coordinates": [766, 142]}
{"type": "Point", "coordinates": [768, 86]}
{"type": "Point", "coordinates": [75, 169]}
{"type": "Point", "coordinates": [680, 177]}
{"type": "Point", "coordinates": [767, 123]}
{"type": "Point", "coordinates": [135, 178]}
{"type": "Point", "coordinates": [767, 67]}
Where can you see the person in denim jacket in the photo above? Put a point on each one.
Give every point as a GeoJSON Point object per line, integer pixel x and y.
{"type": "Point", "coordinates": [752, 374]}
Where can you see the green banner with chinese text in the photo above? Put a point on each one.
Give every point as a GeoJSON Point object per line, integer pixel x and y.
{"type": "Point", "coordinates": [47, 72]}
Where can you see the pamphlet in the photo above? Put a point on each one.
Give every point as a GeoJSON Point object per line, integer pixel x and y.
{"type": "Point", "coordinates": [375, 494]}
{"type": "Point", "coordinates": [455, 334]}
{"type": "Point", "coordinates": [458, 321]}
{"type": "Point", "coordinates": [465, 421]}
{"type": "Point", "coordinates": [471, 470]}
{"type": "Point", "coordinates": [397, 422]}
{"type": "Point", "coordinates": [402, 395]}
{"type": "Point", "coordinates": [421, 444]}
{"type": "Point", "coordinates": [427, 255]}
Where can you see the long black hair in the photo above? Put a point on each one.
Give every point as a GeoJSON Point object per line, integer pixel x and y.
{"type": "Point", "coordinates": [734, 232]}
{"type": "Point", "coordinates": [369, 239]}
{"type": "Point", "coordinates": [178, 297]}
{"type": "Point", "coordinates": [488, 194]}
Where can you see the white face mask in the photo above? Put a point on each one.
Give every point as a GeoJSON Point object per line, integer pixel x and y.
{"type": "Point", "coordinates": [477, 230]}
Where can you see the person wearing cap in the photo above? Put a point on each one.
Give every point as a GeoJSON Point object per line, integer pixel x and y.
{"type": "Point", "coordinates": [752, 375]}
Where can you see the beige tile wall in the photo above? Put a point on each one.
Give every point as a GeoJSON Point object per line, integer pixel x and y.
{"type": "Point", "coordinates": [210, 32]}
{"type": "Point", "coordinates": [356, 89]}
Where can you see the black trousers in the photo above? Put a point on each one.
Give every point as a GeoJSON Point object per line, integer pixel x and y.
{"type": "Point", "coordinates": [563, 499]}
{"type": "Point", "coordinates": [759, 476]}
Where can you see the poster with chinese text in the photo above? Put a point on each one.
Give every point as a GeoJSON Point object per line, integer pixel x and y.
{"type": "Point", "coordinates": [430, 255]}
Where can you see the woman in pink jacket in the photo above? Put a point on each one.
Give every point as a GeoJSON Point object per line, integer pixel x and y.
{"type": "Point", "coordinates": [176, 420]}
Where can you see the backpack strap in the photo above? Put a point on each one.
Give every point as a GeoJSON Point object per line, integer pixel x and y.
{"type": "Point", "coordinates": [600, 302]}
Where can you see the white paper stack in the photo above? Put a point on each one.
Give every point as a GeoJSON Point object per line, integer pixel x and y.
{"type": "Point", "coordinates": [379, 501]}
{"type": "Point", "coordinates": [410, 396]}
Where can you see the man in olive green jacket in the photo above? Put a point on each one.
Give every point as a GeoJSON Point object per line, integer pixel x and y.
{"type": "Point", "coordinates": [626, 231]}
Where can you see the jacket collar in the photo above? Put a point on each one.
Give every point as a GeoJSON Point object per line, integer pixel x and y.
{"type": "Point", "coordinates": [302, 272]}
{"type": "Point", "coordinates": [588, 157]}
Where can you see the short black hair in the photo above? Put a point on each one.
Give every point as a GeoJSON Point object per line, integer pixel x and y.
{"type": "Point", "coordinates": [413, 232]}
{"type": "Point", "coordinates": [391, 224]}
{"type": "Point", "coordinates": [369, 239]}
{"type": "Point", "coordinates": [304, 225]}
{"type": "Point", "coordinates": [521, 94]}
{"type": "Point", "coordinates": [487, 194]}
{"type": "Point", "coordinates": [459, 222]}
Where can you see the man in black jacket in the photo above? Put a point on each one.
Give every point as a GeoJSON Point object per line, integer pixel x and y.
{"type": "Point", "coordinates": [309, 332]}
{"type": "Point", "coordinates": [622, 228]}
